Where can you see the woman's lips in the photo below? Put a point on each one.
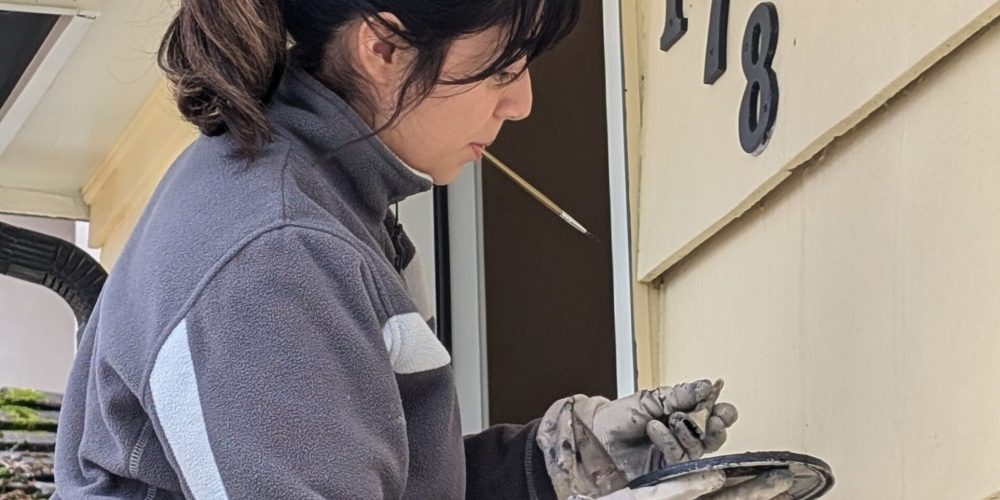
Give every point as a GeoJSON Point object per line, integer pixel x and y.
{"type": "Point", "coordinates": [478, 149]}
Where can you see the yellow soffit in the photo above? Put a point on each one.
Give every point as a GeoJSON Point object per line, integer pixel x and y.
{"type": "Point", "coordinates": [121, 185]}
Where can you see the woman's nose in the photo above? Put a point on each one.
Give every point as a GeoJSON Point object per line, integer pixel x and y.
{"type": "Point", "coordinates": [517, 100]}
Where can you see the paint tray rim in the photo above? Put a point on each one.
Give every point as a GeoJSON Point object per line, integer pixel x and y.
{"type": "Point", "coordinates": [813, 477]}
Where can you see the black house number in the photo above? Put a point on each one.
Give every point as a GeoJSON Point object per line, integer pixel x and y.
{"type": "Point", "coordinates": [759, 106]}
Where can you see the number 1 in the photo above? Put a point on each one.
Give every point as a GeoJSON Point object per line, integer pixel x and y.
{"type": "Point", "coordinates": [676, 24]}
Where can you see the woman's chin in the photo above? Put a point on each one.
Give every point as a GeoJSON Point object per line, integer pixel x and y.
{"type": "Point", "coordinates": [449, 176]}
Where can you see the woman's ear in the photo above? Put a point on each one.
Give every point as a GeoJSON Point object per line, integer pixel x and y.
{"type": "Point", "coordinates": [382, 55]}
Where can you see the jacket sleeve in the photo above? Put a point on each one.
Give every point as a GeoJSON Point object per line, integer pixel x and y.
{"type": "Point", "coordinates": [503, 462]}
{"type": "Point", "coordinates": [277, 383]}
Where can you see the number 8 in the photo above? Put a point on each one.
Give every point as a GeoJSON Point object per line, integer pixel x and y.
{"type": "Point", "coordinates": [760, 98]}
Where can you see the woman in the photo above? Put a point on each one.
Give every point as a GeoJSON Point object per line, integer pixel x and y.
{"type": "Point", "coordinates": [259, 337]}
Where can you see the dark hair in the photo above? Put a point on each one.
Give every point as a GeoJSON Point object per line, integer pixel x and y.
{"type": "Point", "coordinates": [224, 57]}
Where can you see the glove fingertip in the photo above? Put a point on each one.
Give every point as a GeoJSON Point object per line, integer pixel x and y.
{"type": "Point", "coordinates": [715, 424]}
{"type": "Point", "coordinates": [727, 412]}
{"type": "Point", "coordinates": [655, 426]}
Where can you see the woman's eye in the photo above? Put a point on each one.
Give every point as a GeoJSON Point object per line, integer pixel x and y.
{"type": "Point", "coordinates": [505, 77]}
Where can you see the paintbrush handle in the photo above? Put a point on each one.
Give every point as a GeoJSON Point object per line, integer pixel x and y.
{"type": "Point", "coordinates": [524, 184]}
{"type": "Point", "coordinates": [551, 205]}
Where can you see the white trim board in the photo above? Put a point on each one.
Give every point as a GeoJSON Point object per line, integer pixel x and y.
{"type": "Point", "coordinates": [468, 298]}
{"type": "Point", "coordinates": [17, 201]}
{"type": "Point", "coordinates": [621, 248]}
{"type": "Point", "coordinates": [65, 8]}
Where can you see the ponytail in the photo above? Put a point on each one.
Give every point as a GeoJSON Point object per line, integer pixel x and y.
{"type": "Point", "coordinates": [223, 58]}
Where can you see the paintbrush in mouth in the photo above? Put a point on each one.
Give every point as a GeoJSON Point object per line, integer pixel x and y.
{"type": "Point", "coordinates": [544, 200]}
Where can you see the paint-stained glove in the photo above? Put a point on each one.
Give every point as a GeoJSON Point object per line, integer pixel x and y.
{"type": "Point", "coordinates": [593, 446]}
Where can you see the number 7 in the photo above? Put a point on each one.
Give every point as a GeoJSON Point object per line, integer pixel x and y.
{"type": "Point", "coordinates": [676, 27]}
{"type": "Point", "coordinates": [715, 52]}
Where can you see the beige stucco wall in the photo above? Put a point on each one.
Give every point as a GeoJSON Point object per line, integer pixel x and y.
{"type": "Point", "coordinates": [834, 63]}
{"type": "Point", "coordinates": [855, 313]}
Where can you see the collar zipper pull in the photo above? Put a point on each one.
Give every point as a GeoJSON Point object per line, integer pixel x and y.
{"type": "Point", "coordinates": [396, 236]}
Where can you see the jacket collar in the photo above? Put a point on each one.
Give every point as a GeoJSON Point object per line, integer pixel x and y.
{"type": "Point", "coordinates": [332, 134]}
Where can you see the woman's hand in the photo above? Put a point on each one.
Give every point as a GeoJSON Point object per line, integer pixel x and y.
{"type": "Point", "coordinates": [594, 446]}
{"type": "Point", "coordinates": [679, 423]}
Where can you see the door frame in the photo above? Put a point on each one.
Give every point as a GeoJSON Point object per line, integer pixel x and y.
{"type": "Point", "coordinates": [621, 237]}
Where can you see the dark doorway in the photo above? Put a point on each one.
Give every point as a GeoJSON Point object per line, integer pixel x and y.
{"type": "Point", "coordinates": [549, 293]}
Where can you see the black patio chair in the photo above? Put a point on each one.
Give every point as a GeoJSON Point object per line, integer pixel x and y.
{"type": "Point", "coordinates": [29, 417]}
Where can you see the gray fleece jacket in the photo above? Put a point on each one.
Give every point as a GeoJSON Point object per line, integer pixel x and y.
{"type": "Point", "coordinates": [259, 338]}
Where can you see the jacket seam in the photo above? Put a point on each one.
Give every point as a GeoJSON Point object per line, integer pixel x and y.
{"type": "Point", "coordinates": [139, 448]}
